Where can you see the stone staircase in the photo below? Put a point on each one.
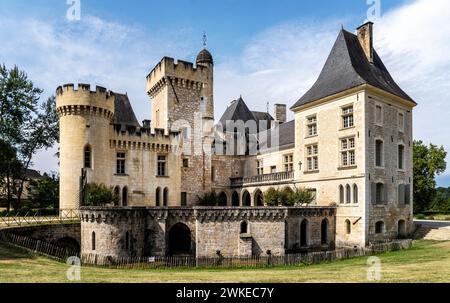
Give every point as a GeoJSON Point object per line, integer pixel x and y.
{"type": "Point", "coordinates": [429, 233]}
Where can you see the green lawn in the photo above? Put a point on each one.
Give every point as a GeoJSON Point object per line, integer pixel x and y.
{"type": "Point", "coordinates": [427, 261]}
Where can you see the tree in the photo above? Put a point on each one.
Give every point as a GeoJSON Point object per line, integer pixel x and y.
{"type": "Point", "coordinates": [44, 193]}
{"type": "Point", "coordinates": [99, 195]}
{"type": "Point", "coordinates": [429, 161]}
{"type": "Point", "coordinates": [209, 199]}
{"type": "Point", "coordinates": [23, 124]}
{"type": "Point", "coordinates": [301, 196]}
{"type": "Point", "coordinates": [10, 169]}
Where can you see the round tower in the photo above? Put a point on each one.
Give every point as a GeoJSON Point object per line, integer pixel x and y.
{"type": "Point", "coordinates": [85, 117]}
{"type": "Point", "coordinates": [205, 59]}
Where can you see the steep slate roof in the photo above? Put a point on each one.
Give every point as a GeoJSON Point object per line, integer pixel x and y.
{"type": "Point", "coordinates": [262, 116]}
{"type": "Point", "coordinates": [33, 174]}
{"type": "Point", "coordinates": [347, 67]}
{"type": "Point", "coordinates": [285, 137]}
{"type": "Point", "coordinates": [238, 110]}
{"type": "Point", "coordinates": [124, 114]}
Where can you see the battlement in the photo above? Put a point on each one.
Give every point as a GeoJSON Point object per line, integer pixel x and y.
{"type": "Point", "coordinates": [69, 98]}
{"type": "Point", "coordinates": [179, 72]}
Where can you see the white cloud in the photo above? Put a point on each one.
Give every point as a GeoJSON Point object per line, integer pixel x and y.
{"type": "Point", "coordinates": [277, 65]}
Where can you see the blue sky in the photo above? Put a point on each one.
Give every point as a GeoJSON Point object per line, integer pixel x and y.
{"type": "Point", "coordinates": [268, 51]}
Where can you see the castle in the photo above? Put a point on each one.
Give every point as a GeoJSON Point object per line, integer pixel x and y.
{"type": "Point", "coordinates": [350, 144]}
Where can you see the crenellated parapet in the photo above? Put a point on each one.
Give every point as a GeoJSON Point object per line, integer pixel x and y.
{"type": "Point", "coordinates": [180, 74]}
{"type": "Point", "coordinates": [83, 101]}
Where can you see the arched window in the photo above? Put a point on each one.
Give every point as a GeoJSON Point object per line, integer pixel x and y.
{"type": "Point", "coordinates": [324, 232]}
{"type": "Point", "coordinates": [244, 227]}
{"type": "Point", "coordinates": [246, 199]}
{"type": "Point", "coordinates": [355, 194]}
{"type": "Point", "coordinates": [117, 195]}
{"type": "Point", "coordinates": [235, 199]}
{"type": "Point", "coordinates": [304, 233]}
{"type": "Point", "coordinates": [379, 227]}
{"type": "Point", "coordinates": [158, 197]}
{"type": "Point", "coordinates": [348, 194]}
{"type": "Point", "coordinates": [380, 194]}
{"type": "Point", "coordinates": [93, 240]}
{"type": "Point", "coordinates": [223, 200]}
{"type": "Point", "coordinates": [125, 196]}
{"type": "Point", "coordinates": [166, 197]}
{"type": "Point", "coordinates": [87, 157]}
{"type": "Point", "coordinates": [348, 227]}
{"type": "Point", "coordinates": [341, 194]}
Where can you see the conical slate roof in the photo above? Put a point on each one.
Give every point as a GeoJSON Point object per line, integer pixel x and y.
{"type": "Point", "coordinates": [124, 114]}
{"type": "Point", "coordinates": [347, 67]}
{"type": "Point", "coordinates": [237, 111]}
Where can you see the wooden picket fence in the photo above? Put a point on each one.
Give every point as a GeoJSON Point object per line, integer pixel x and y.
{"type": "Point", "coordinates": [62, 254]}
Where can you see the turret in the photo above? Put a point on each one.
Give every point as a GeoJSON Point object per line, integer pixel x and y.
{"type": "Point", "coordinates": [85, 117]}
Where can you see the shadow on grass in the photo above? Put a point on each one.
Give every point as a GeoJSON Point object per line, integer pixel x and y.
{"type": "Point", "coordinates": [9, 252]}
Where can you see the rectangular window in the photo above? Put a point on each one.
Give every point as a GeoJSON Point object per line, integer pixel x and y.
{"type": "Point", "coordinates": [288, 163]}
{"type": "Point", "coordinates": [312, 158]}
{"type": "Point", "coordinates": [379, 153]}
{"type": "Point", "coordinates": [162, 162]}
{"type": "Point", "coordinates": [259, 168]}
{"type": "Point", "coordinates": [347, 117]}
{"type": "Point", "coordinates": [378, 114]}
{"type": "Point", "coordinates": [213, 174]}
{"type": "Point", "coordinates": [401, 122]}
{"type": "Point", "coordinates": [401, 157]}
{"type": "Point", "coordinates": [273, 169]}
{"type": "Point", "coordinates": [121, 159]}
{"type": "Point", "coordinates": [348, 152]}
{"type": "Point", "coordinates": [312, 126]}
{"type": "Point", "coordinates": [183, 199]}
{"type": "Point", "coordinates": [186, 163]}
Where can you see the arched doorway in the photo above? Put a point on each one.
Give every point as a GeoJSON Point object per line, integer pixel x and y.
{"type": "Point", "coordinates": [401, 229]}
{"type": "Point", "coordinates": [117, 195]}
{"type": "Point", "coordinates": [69, 243]}
{"type": "Point", "coordinates": [304, 233]}
{"type": "Point", "coordinates": [235, 199]}
{"type": "Point", "coordinates": [125, 196]}
{"type": "Point", "coordinates": [180, 240]}
{"type": "Point", "coordinates": [223, 199]}
{"type": "Point", "coordinates": [246, 199]}
{"type": "Point", "coordinates": [158, 197]}
{"type": "Point", "coordinates": [259, 198]}
{"type": "Point", "coordinates": [324, 232]}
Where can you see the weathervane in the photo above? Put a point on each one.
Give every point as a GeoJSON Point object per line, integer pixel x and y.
{"type": "Point", "coordinates": [205, 39]}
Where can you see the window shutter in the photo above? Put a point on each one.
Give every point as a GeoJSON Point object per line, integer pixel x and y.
{"type": "Point", "coordinates": [373, 190]}
{"type": "Point", "coordinates": [407, 194]}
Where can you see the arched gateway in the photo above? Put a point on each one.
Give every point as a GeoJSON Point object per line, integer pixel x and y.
{"type": "Point", "coordinates": [180, 240]}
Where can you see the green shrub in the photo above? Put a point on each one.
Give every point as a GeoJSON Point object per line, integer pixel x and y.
{"type": "Point", "coordinates": [420, 216]}
{"type": "Point", "coordinates": [99, 195]}
{"type": "Point", "coordinates": [209, 199]}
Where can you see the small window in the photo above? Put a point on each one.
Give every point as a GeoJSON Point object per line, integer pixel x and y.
{"type": "Point", "coordinates": [162, 162]}
{"type": "Point", "coordinates": [288, 163]}
{"type": "Point", "coordinates": [355, 194]}
{"type": "Point", "coordinates": [401, 157]}
{"type": "Point", "coordinates": [183, 199]}
{"type": "Point", "coordinates": [158, 197]}
{"type": "Point", "coordinates": [379, 153]}
{"type": "Point", "coordinates": [380, 193]}
{"type": "Point", "coordinates": [186, 163]}
{"type": "Point", "coordinates": [312, 126]}
{"type": "Point", "coordinates": [348, 227]}
{"type": "Point", "coordinates": [259, 168]}
{"type": "Point", "coordinates": [244, 227]}
{"type": "Point", "coordinates": [348, 196]}
{"type": "Point", "coordinates": [121, 160]}
{"type": "Point", "coordinates": [87, 157]}
{"type": "Point", "coordinates": [341, 194]}
{"type": "Point", "coordinates": [213, 174]}
{"type": "Point", "coordinates": [379, 227]}
{"type": "Point", "coordinates": [347, 117]}
{"type": "Point", "coordinates": [127, 240]}
{"type": "Point", "coordinates": [166, 197]}
{"type": "Point", "coordinates": [312, 158]}
{"type": "Point", "coordinates": [93, 241]}
{"type": "Point", "coordinates": [273, 169]}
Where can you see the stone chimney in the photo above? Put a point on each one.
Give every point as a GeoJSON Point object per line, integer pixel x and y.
{"type": "Point", "coordinates": [280, 113]}
{"type": "Point", "coordinates": [365, 37]}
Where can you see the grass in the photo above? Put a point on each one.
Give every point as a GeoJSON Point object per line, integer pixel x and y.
{"type": "Point", "coordinates": [427, 261]}
{"type": "Point", "coordinates": [437, 217]}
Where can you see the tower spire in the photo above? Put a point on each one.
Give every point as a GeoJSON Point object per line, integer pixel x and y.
{"type": "Point", "coordinates": [205, 40]}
